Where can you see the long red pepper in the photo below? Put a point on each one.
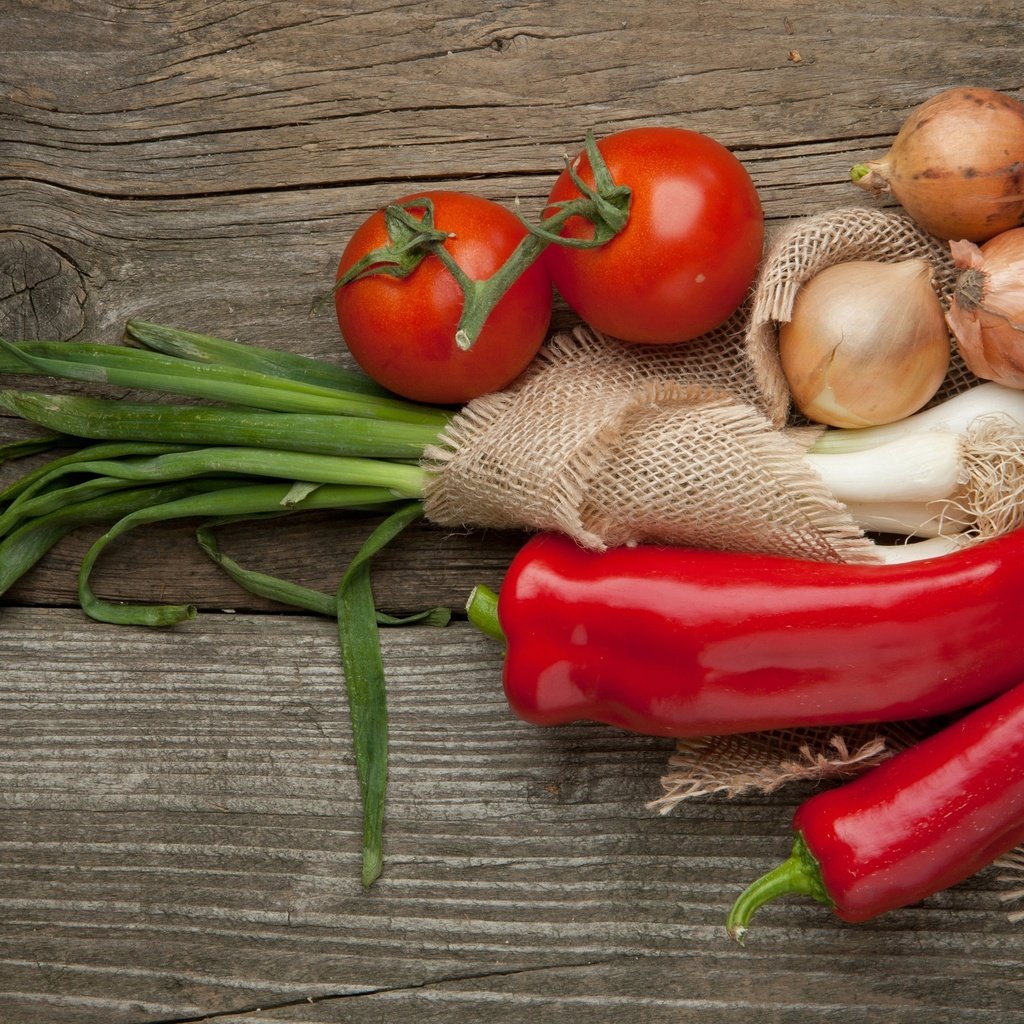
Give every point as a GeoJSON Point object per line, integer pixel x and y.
{"type": "Point", "coordinates": [680, 642]}
{"type": "Point", "coordinates": [920, 822]}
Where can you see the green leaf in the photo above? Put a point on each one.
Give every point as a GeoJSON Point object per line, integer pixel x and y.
{"type": "Point", "coordinates": [285, 592]}
{"type": "Point", "coordinates": [364, 680]}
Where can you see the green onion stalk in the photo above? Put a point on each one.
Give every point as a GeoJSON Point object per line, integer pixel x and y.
{"type": "Point", "coordinates": [279, 434]}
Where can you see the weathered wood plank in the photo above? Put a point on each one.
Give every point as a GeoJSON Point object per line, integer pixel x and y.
{"type": "Point", "coordinates": [425, 567]}
{"type": "Point", "coordinates": [180, 837]}
{"type": "Point", "coordinates": [209, 175]}
{"type": "Point", "coordinates": [405, 90]}
{"type": "Point", "coordinates": [178, 812]}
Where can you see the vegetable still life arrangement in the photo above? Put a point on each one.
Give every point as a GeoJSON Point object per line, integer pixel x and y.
{"type": "Point", "coordinates": [768, 488]}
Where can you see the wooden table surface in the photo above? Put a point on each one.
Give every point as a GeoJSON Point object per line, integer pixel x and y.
{"type": "Point", "coordinates": [179, 818]}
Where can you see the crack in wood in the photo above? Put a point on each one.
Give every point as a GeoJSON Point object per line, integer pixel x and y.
{"type": "Point", "coordinates": [384, 990]}
{"type": "Point", "coordinates": [403, 182]}
{"type": "Point", "coordinates": [214, 132]}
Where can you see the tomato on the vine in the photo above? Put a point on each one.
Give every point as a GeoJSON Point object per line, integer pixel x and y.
{"type": "Point", "coordinates": [689, 252]}
{"type": "Point", "coordinates": [402, 330]}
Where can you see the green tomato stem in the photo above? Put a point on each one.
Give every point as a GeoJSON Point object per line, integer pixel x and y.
{"type": "Point", "coordinates": [606, 206]}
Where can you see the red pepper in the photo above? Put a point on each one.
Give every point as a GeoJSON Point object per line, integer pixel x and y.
{"type": "Point", "coordinates": [920, 822]}
{"type": "Point", "coordinates": [680, 642]}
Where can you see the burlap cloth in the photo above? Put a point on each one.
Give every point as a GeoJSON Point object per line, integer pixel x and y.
{"type": "Point", "coordinates": [695, 444]}
{"type": "Point", "coordinates": [614, 444]}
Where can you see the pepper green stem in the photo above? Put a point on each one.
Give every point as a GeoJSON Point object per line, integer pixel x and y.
{"type": "Point", "coordinates": [482, 609]}
{"type": "Point", "coordinates": [800, 873]}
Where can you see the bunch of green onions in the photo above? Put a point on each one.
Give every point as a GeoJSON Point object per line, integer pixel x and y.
{"type": "Point", "coordinates": [287, 434]}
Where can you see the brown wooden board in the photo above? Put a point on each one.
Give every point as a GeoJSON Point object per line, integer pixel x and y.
{"type": "Point", "coordinates": [179, 821]}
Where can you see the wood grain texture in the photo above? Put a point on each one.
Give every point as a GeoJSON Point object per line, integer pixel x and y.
{"type": "Point", "coordinates": [178, 811]}
{"type": "Point", "coordinates": [180, 838]}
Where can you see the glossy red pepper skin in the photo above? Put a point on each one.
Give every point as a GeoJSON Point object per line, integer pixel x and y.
{"type": "Point", "coordinates": [681, 642]}
{"type": "Point", "coordinates": [924, 820]}
{"type": "Point", "coordinates": [916, 824]}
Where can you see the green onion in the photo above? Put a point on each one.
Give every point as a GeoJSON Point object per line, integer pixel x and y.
{"type": "Point", "coordinates": [28, 482]}
{"type": "Point", "coordinates": [202, 348]}
{"type": "Point", "coordinates": [954, 469]}
{"type": "Point", "coordinates": [286, 592]}
{"type": "Point", "coordinates": [244, 499]}
{"type": "Point", "coordinates": [155, 372]}
{"type": "Point", "coordinates": [955, 415]}
{"type": "Point", "coordinates": [922, 467]}
{"type": "Point", "coordinates": [108, 419]}
{"type": "Point", "coordinates": [30, 446]}
{"type": "Point", "coordinates": [402, 480]}
{"type": "Point", "coordinates": [364, 680]}
{"type": "Point", "coordinates": [934, 518]}
{"type": "Point", "coordinates": [22, 548]}
{"type": "Point", "coordinates": [292, 434]}
{"type": "Point", "coordinates": [31, 505]}
{"type": "Point", "coordinates": [933, 547]}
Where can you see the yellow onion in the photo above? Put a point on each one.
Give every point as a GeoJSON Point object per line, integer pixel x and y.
{"type": "Point", "coordinates": [986, 313]}
{"type": "Point", "coordinates": [957, 165]}
{"type": "Point", "coordinates": [867, 343]}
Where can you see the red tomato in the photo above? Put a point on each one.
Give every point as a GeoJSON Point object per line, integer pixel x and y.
{"type": "Point", "coordinates": [689, 252]}
{"type": "Point", "coordinates": [401, 331]}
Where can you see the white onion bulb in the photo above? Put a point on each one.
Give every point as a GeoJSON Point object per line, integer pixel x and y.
{"type": "Point", "coordinates": [867, 343]}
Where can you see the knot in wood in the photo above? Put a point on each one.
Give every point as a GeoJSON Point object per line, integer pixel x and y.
{"type": "Point", "coordinates": [42, 293]}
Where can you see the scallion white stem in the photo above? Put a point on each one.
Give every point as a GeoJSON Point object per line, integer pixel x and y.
{"type": "Point", "coordinates": [934, 547]}
{"type": "Point", "coordinates": [909, 518]}
{"type": "Point", "coordinates": [918, 468]}
{"type": "Point", "coordinates": [955, 415]}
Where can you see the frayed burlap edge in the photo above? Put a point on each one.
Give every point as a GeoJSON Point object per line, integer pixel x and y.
{"type": "Point", "coordinates": [808, 521]}
{"type": "Point", "coordinates": [763, 762]}
{"type": "Point", "coordinates": [564, 449]}
{"type": "Point", "coordinates": [453, 495]}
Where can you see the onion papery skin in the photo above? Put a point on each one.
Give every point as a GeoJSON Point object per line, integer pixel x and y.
{"type": "Point", "coordinates": [867, 343]}
{"type": "Point", "coordinates": [986, 311]}
{"type": "Point", "coordinates": [956, 165]}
